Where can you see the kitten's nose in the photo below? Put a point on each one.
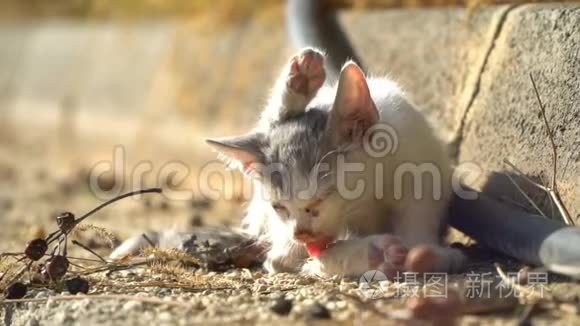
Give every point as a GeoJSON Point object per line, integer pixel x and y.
{"type": "Point", "coordinates": [303, 235]}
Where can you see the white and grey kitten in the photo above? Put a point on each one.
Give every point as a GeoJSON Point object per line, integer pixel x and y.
{"type": "Point", "coordinates": [303, 202]}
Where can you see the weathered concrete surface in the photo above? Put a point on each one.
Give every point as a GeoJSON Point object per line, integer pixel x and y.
{"type": "Point", "coordinates": [470, 76]}
{"type": "Point", "coordinates": [432, 53]}
{"type": "Point", "coordinates": [504, 122]}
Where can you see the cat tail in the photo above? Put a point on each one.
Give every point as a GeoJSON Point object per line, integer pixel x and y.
{"type": "Point", "coordinates": [311, 24]}
{"type": "Point", "coordinates": [530, 238]}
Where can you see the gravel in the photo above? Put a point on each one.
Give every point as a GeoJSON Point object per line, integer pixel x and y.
{"type": "Point", "coordinates": [234, 296]}
{"type": "Point", "coordinates": [249, 297]}
{"type": "Point", "coordinates": [260, 299]}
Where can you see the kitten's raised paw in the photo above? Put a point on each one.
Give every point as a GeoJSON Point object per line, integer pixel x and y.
{"type": "Point", "coordinates": [306, 73]}
{"type": "Point", "coordinates": [388, 255]}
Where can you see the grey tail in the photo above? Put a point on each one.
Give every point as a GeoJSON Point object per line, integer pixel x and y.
{"type": "Point", "coordinates": [510, 231]}
{"type": "Point", "coordinates": [530, 238]}
{"type": "Point", "coordinates": [312, 24]}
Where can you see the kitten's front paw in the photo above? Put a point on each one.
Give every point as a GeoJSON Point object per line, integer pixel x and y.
{"type": "Point", "coordinates": [306, 73]}
{"type": "Point", "coordinates": [387, 254]}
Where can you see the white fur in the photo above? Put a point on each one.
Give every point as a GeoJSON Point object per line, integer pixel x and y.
{"type": "Point", "coordinates": [359, 222]}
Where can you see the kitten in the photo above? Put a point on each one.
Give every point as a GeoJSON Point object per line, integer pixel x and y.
{"type": "Point", "coordinates": [314, 146]}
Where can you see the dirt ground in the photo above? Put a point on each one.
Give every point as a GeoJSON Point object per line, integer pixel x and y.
{"type": "Point", "coordinates": [31, 194]}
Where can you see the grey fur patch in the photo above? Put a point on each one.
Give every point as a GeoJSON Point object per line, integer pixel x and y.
{"type": "Point", "coordinates": [298, 144]}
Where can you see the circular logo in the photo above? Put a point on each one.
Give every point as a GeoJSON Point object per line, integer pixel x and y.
{"type": "Point", "coordinates": [369, 284]}
{"type": "Point", "coordinates": [380, 140]}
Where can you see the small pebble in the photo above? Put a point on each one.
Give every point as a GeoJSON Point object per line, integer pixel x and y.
{"type": "Point", "coordinates": [341, 304]}
{"type": "Point", "coordinates": [164, 316]}
{"type": "Point", "coordinates": [250, 315]}
{"type": "Point", "coordinates": [33, 322]}
{"type": "Point", "coordinates": [232, 274]}
{"type": "Point", "coordinates": [127, 273]}
{"type": "Point", "coordinates": [16, 290]}
{"type": "Point", "coordinates": [61, 317]}
{"type": "Point", "coordinates": [304, 281]}
{"type": "Point", "coordinates": [164, 206]}
{"type": "Point", "coordinates": [318, 311]}
{"type": "Point", "coordinates": [80, 304]}
{"type": "Point", "coordinates": [41, 294]}
{"type": "Point", "coordinates": [50, 303]}
{"type": "Point", "coordinates": [196, 220]}
{"type": "Point", "coordinates": [132, 305]}
{"type": "Point", "coordinates": [570, 308]}
{"type": "Point", "coordinates": [282, 306]}
{"type": "Point", "coordinates": [77, 285]}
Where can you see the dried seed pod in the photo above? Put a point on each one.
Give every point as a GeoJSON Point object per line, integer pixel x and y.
{"type": "Point", "coordinates": [56, 267]}
{"type": "Point", "coordinates": [16, 290]}
{"type": "Point", "coordinates": [76, 285]}
{"type": "Point", "coordinates": [35, 249]}
{"type": "Point", "coordinates": [65, 221]}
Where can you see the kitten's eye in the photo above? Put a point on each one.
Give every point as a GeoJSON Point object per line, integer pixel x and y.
{"type": "Point", "coordinates": [312, 208]}
{"type": "Point", "coordinates": [281, 209]}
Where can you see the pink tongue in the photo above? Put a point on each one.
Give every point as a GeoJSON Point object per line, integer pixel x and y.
{"type": "Point", "coordinates": [316, 247]}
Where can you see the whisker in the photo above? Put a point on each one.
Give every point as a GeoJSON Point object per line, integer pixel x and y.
{"type": "Point", "coordinates": [330, 173]}
{"type": "Point", "coordinates": [328, 154]}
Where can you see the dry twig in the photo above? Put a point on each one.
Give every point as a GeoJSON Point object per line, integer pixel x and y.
{"type": "Point", "coordinates": [553, 189]}
{"type": "Point", "coordinates": [526, 195]}
{"type": "Point", "coordinates": [75, 242]}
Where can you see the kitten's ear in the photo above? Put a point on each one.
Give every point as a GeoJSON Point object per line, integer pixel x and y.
{"type": "Point", "coordinates": [243, 152]}
{"type": "Point", "coordinates": [353, 111]}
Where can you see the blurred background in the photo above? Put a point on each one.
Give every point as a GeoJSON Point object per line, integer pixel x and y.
{"type": "Point", "coordinates": [151, 75]}
{"type": "Point", "coordinates": [78, 78]}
